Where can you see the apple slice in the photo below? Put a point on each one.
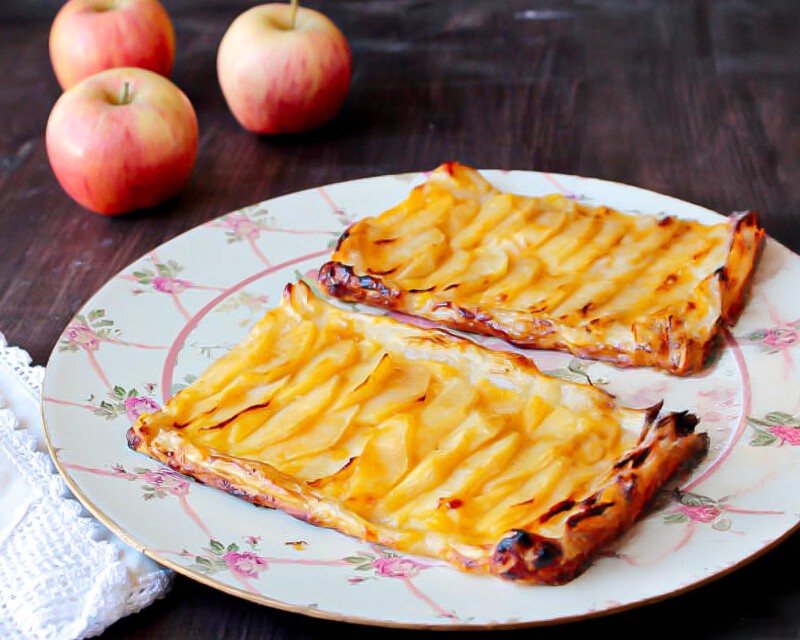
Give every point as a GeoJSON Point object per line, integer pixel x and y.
{"type": "Point", "coordinates": [448, 408]}
{"type": "Point", "coordinates": [321, 367]}
{"type": "Point", "coordinates": [418, 213]}
{"type": "Point", "coordinates": [491, 265]}
{"type": "Point", "coordinates": [378, 372]}
{"type": "Point", "coordinates": [406, 385]}
{"type": "Point", "coordinates": [287, 420]}
{"type": "Point", "coordinates": [329, 465]}
{"type": "Point", "coordinates": [456, 490]}
{"type": "Point", "coordinates": [323, 434]}
{"type": "Point", "coordinates": [447, 273]}
{"type": "Point", "coordinates": [501, 516]}
{"type": "Point", "coordinates": [186, 409]}
{"type": "Point", "coordinates": [437, 465]}
{"type": "Point", "coordinates": [492, 212]}
{"type": "Point", "coordinates": [520, 273]}
{"type": "Point", "coordinates": [383, 461]}
{"type": "Point", "coordinates": [425, 259]}
{"type": "Point", "coordinates": [234, 401]}
{"type": "Point", "coordinates": [460, 216]}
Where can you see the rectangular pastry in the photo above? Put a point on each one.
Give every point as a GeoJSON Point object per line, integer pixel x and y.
{"type": "Point", "coordinates": [419, 440]}
{"type": "Point", "coordinates": [551, 273]}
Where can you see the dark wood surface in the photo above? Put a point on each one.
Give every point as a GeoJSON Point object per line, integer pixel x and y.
{"type": "Point", "coordinates": [696, 99]}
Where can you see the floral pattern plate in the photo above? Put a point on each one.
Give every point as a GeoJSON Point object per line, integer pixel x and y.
{"type": "Point", "coordinates": [159, 322]}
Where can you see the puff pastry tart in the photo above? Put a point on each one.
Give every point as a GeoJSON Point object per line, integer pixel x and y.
{"type": "Point", "coordinates": [419, 440]}
{"type": "Point", "coordinates": [551, 273]}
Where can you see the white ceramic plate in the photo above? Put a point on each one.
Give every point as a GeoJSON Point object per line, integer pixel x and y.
{"type": "Point", "coordinates": [163, 319]}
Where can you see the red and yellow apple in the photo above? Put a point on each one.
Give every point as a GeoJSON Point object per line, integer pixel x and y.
{"type": "Point", "coordinates": [122, 139]}
{"type": "Point", "coordinates": [88, 36]}
{"type": "Point", "coordinates": [283, 68]}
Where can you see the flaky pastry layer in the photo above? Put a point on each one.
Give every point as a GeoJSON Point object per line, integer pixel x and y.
{"type": "Point", "coordinates": [551, 273]}
{"type": "Point", "coordinates": [419, 440]}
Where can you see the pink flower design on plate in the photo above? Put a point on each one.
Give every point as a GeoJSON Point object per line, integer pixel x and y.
{"type": "Point", "coordinates": [775, 428]}
{"type": "Point", "coordinates": [777, 338]}
{"type": "Point", "coordinates": [695, 508]}
{"type": "Point", "coordinates": [127, 402]}
{"type": "Point", "coordinates": [137, 405]}
{"type": "Point", "coordinates": [82, 336]}
{"type": "Point", "coordinates": [385, 564]}
{"type": "Point", "coordinates": [396, 567]}
{"type": "Point", "coordinates": [244, 564]}
{"type": "Point", "coordinates": [164, 278]}
{"type": "Point", "coordinates": [780, 337]}
{"type": "Point", "coordinates": [168, 284]}
{"type": "Point", "coordinates": [786, 434]}
{"type": "Point", "coordinates": [699, 513]}
{"type": "Point", "coordinates": [166, 480]}
{"type": "Point", "coordinates": [87, 332]}
{"type": "Point", "coordinates": [242, 226]}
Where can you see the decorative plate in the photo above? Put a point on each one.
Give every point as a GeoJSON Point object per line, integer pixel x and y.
{"type": "Point", "coordinates": [159, 322]}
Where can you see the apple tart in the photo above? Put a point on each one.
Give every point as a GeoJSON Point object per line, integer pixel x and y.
{"type": "Point", "coordinates": [551, 273]}
{"type": "Point", "coordinates": [419, 440]}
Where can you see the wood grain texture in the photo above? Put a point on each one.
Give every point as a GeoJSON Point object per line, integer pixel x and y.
{"type": "Point", "coordinates": [698, 99]}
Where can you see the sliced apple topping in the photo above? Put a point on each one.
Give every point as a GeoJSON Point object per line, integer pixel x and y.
{"type": "Point", "coordinates": [551, 272]}
{"type": "Point", "coordinates": [491, 214]}
{"type": "Point", "coordinates": [405, 386]}
{"type": "Point", "coordinates": [383, 461]}
{"type": "Point", "coordinates": [397, 434]}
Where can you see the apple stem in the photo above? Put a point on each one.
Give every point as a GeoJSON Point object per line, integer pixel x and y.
{"type": "Point", "coordinates": [125, 94]}
{"type": "Point", "coordinates": [293, 14]}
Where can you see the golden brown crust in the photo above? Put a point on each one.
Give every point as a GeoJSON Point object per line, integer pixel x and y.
{"type": "Point", "coordinates": [674, 325]}
{"type": "Point", "coordinates": [600, 518]}
{"type": "Point", "coordinates": [529, 478]}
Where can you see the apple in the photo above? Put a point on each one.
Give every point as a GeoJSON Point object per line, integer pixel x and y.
{"type": "Point", "coordinates": [122, 139]}
{"type": "Point", "coordinates": [283, 68]}
{"type": "Point", "coordinates": [88, 36]}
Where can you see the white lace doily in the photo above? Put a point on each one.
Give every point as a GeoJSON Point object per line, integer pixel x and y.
{"type": "Point", "coordinates": [62, 574]}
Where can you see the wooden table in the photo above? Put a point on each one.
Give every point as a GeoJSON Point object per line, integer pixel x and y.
{"type": "Point", "coordinates": [699, 100]}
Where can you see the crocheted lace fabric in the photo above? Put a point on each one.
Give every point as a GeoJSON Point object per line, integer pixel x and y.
{"type": "Point", "coordinates": [62, 574]}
